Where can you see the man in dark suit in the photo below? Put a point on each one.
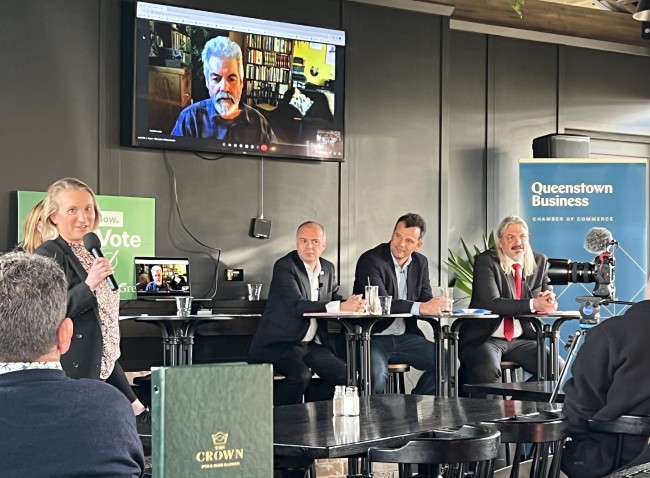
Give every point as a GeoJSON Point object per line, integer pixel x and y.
{"type": "Point", "coordinates": [294, 344]}
{"type": "Point", "coordinates": [403, 274]}
{"type": "Point", "coordinates": [484, 343]}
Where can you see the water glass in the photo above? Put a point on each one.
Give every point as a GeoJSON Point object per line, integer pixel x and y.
{"type": "Point", "coordinates": [447, 294]}
{"type": "Point", "coordinates": [184, 306]}
{"type": "Point", "coordinates": [384, 303]}
{"type": "Point", "coordinates": [372, 300]}
{"type": "Point", "coordinates": [254, 291]}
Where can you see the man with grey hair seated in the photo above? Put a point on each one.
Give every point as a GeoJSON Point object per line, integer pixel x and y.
{"type": "Point", "coordinates": [52, 426]}
{"type": "Point", "coordinates": [509, 280]}
{"type": "Point", "coordinates": [224, 116]}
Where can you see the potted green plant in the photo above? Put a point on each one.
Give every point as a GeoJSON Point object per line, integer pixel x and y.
{"type": "Point", "coordinates": [463, 267]}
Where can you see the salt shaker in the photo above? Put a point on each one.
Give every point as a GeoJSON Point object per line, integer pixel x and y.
{"type": "Point", "coordinates": [338, 405]}
{"type": "Point", "coordinates": [351, 404]}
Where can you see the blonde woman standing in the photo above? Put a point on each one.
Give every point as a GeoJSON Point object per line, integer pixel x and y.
{"type": "Point", "coordinates": [69, 213]}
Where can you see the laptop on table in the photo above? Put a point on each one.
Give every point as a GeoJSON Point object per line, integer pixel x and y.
{"type": "Point", "coordinates": [162, 278]}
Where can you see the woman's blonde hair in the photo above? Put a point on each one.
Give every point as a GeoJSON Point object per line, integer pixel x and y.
{"type": "Point", "coordinates": [32, 227]}
{"type": "Point", "coordinates": [51, 205]}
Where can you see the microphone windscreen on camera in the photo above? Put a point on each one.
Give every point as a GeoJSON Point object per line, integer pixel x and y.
{"type": "Point", "coordinates": [598, 240]}
{"type": "Point", "coordinates": [91, 241]}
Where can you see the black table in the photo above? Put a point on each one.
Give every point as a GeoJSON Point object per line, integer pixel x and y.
{"type": "Point", "coordinates": [178, 333]}
{"type": "Point", "coordinates": [309, 430]}
{"type": "Point", "coordinates": [528, 391]}
{"type": "Point", "coordinates": [543, 332]}
{"type": "Point", "coordinates": [358, 328]}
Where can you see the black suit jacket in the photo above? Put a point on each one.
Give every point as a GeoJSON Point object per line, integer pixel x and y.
{"type": "Point", "coordinates": [609, 379]}
{"type": "Point", "coordinates": [377, 266]}
{"type": "Point", "coordinates": [283, 322]}
{"type": "Point", "coordinates": [83, 360]}
{"type": "Point", "coordinates": [494, 290]}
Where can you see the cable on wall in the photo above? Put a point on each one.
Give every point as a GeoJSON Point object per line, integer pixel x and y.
{"type": "Point", "coordinates": [260, 227]}
{"type": "Point", "coordinates": [177, 208]}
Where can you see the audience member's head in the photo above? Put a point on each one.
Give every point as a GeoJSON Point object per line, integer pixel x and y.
{"type": "Point", "coordinates": [33, 300]}
{"type": "Point", "coordinates": [32, 228]}
{"type": "Point", "coordinates": [512, 241]}
{"type": "Point", "coordinates": [70, 210]}
{"type": "Point", "coordinates": [223, 68]}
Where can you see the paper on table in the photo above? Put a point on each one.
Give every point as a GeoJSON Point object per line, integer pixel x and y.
{"type": "Point", "coordinates": [471, 311]}
{"type": "Point", "coordinates": [360, 314]}
{"type": "Point", "coordinates": [561, 313]}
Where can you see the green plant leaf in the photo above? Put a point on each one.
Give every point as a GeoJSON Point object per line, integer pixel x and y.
{"type": "Point", "coordinates": [517, 6]}
{"type": "Point", "coordinates": [464, 268]}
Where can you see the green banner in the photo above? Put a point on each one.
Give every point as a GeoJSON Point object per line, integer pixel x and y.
{"type": "Point", "coordinates": [127, 230]}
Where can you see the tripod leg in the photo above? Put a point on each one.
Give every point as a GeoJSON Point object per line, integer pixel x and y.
{"type": "Point", "coordinates": [567, 365]}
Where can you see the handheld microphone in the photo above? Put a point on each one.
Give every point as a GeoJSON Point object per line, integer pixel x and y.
{"type": "Point", "coordinates": [598, 240]}
{"type": "Point", "coordinates": [93, 245]}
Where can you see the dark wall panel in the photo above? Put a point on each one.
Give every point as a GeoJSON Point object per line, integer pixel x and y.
{"type": "Point", "coordinates": [522, 93]}
{"type": "Point", "coordinates": [393, 125]}
{"type": "Point", "coordinates": [604, 91]}
{"type": "Point", "coordinates": [466, 168]}
{"type": "Point", "coordinates": [49, 92]}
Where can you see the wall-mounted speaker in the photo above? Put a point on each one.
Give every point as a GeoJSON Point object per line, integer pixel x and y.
{"type": "Point", "coordinates": [561, 146]}
{"type": "Point", "coordinates": [260, 228]}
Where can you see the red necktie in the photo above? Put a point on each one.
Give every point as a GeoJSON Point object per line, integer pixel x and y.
{"type": "Point", "coordinates": [508, 322]}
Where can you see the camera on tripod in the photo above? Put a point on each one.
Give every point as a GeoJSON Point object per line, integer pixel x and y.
{"type": "Point", "coordinates": [601, 271]}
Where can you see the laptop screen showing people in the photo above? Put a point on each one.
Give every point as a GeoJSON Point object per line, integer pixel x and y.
{"type": "Point", "coordinates": [162, 277]}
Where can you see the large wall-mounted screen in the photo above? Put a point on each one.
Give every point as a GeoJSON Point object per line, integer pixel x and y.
{"type": "Point", "coordinates": [211, 82]}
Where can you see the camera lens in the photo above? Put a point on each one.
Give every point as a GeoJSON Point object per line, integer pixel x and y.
{"type": "Point", "coordinates": [563, 272]}
{"type": "Point", "coordinates": [559, 271]}
{"type": "Point", "coordinates": [582, 272]}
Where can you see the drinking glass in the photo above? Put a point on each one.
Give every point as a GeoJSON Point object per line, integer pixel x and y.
{"type": "Point", "coordinates": [372, 300]}
{"type": "Point", "coordinates": [184, 306]}
{"type": "Point", "coordinates": [254, 291]}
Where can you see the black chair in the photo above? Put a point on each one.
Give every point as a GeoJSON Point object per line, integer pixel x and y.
{"type": "Point", "coordinates": [638, 471]}
{"type": "Point", "coordinates": [457, 451]}
{"type": "Point", "coordinates": [546, 431]}
{"type": "Point", "coordinates": [626, 425]}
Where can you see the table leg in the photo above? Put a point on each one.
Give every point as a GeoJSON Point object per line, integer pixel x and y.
{"type": "Point", "coordinates": [440, 365]}
{"type": "Point", "coordinates": [439, 347]}
{"type": "Point", "coordinates": [364, 370]}
{"type": "Point", "coordinates": [168, 344]}
{"type": "Point", "coordinates": [541, 356]}
{"type": "Point", "coordinates": [351, 353]}
{"type": "Point", "coordinates": [173, 350]}
{"type": "Point", "coordinates": [452, 336]}
{"type": "Point", "coordinates": [188, 345]}
{"type": "Point", "coordinates": [555, 337]}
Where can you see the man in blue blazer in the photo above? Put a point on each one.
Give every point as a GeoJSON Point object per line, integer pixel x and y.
{"type": "Point", "coordinates": [296, 345]}
{"type": "Point", "coordinates": [52, 425]}
{"type": "Point", "coordinates": [483, 342]}
{"type": "Point", "coordinates": [403, 274]}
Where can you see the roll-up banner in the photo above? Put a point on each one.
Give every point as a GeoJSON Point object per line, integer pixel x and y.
{"type": "Point", "coordinates": [562, 200]}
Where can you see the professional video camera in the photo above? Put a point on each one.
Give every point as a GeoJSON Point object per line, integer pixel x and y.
{"type": "Point", "coordinates": [601, 271]}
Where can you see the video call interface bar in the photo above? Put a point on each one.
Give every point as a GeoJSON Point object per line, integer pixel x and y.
{"type": "Point", "coordinates": [170, 14]}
